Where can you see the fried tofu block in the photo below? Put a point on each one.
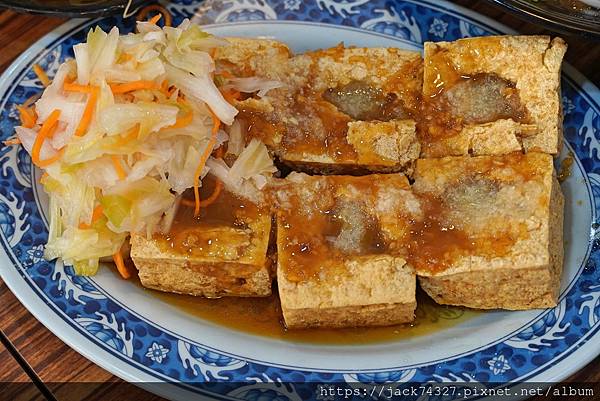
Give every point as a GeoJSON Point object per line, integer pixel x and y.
{"type": "Point", "coordinates": [493, 95]}
{"type": "Point", "coordinates": [342, 110]}
{"type": "Point", "coordinates": [223, 252]}
{"type": "Point", "coordinates": [244, 57]}
{"type": "Point", "coordinates": [492, 232]}
{"type": "Point", "coordinates": [338, 261]}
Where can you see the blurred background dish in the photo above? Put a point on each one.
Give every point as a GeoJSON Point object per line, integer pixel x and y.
{"type": "Point", "coordinates": [566, 16]}
{"type": "Point", "coordinates": [72, 8]}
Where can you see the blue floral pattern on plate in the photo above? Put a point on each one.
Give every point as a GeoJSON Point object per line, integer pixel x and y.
{"type": "Point", "coordinates": [551, 337]}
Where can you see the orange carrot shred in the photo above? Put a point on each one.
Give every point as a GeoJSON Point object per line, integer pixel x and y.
{"type": "Point", "coordinates": [164, 87]}
{"type": "Point", "coordinates": [231, 95]}
{"type": "Point", "coordinates": [118, 167]}
{"type": "Point", "coordinates": [88, 112]}
{"type": "Point", "coordinates": [41, 74]}
{"type": "Point", "coordinates": [31, 99]}
{"type": "Point", "coordinates": [155, 19]}
{"type": "Point", "coordinates": [28, 117]}
{"type": "Point", "coordinates": [132, 86]}
{"type": "Point", "coordinates": [155, 7]}
{"type": "Point", "coordinates": [130, 135]}
{"type": "Point", "coordinates": [46, 131]}
{"type": "Point", "coordinates": [73, 87]}
{"type": "Point", "coordinates": [204, 158]}
{"type": "Point", "coordinates": [208, 201]}
{"type": "Point", "coordinates": [12, 141]}
{"type": "Point", "coordinates": [123, 271]}
{"type": "Point", "coordinates": [96, 215]}
{"type": "Point", "coordinates": [224, 73]}
{"type": "Point", "coordinates": [184, 121]}
{"type": "Point", "coordinates": [49, 161]}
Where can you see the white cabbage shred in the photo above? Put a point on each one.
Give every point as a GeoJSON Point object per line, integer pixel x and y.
{"type": "Point", "coordinates": [142, 146]}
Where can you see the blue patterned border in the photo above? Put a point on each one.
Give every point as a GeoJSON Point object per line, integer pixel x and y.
{"type": "Point", "coordinates": [553, 336]}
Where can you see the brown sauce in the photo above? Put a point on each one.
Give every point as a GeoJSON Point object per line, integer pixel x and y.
{"type": "Point", "coordinates": [445, 234]}
{"type": "Point", "coordinates": [262, 317]}
{"type": "Point", "coordinates": [437, 242]}
{"type": "Point", "coordinates": [454, 96]}
{"type": "Point", "coordinates": [301, 123]}
{"type": "Point", "coordinates": [318, 241]}
{"type": "Point", "coordinates": [365, 103]}
{"type": "Point", "coordinates": [320, 245]}
{"type": "Point", "coordinates": [566, 167]}
{"type": "Point", "coordinates": [305, 121]}
{"type": "Point", "coordinates": [219, 225]}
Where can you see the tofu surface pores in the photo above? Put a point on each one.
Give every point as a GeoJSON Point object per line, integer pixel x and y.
{"type": "Point", "coordinates": [222, 252]}
{"type": "Point", "coordinates": [492, 95]}
{"type": "Point", "coordinates": [338, 264]}
{"type": "Point", "coordinates": [332, 97]}
{"type": "Point", "coordinates": [492, 235]}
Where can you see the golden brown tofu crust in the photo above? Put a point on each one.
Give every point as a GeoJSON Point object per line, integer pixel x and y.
{"type": "Point", "coordinates": [335, 267]}
{"type": "Point", "coordinates": [531, 64]}
{"type": "Point", "coordinates": [513, 213]}
{"type": "Point", "coordinates": [306, 131]}
{"type": "Point", "coordinates": [222, 252]}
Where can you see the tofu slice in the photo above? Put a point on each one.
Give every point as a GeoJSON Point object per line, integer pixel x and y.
{"type": "Point", "coordinates": [223, 252]}
{"type": "Point", "coordinates": [492, 232]}
{"type": "Point", "coordinates": [493, 95]}
{"type": "Point", "coordinates": [338, 262]}
{"type": "Point", "coordinates": [342, 110]}
{"type": "Point", "coordinates": [245, 57]}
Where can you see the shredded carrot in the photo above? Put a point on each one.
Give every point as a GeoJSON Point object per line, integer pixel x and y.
{"type": "Point", "coordinates": [31, 99]}
{"type": "Point", "coordinates": [218, 187]}
{"type": "Point", "coordinates": [164, 87]}
{"type": "Point", "coordinates": [12, 141]}
{"type": "Point", "coordinates": [96, 215]}
{"type": "Point", "coordinates": [155, 19]}
{"type": "Point", "coordinates": [184, 121]}
{"type": "Point", "coordinates": [132, 86]}
{"type": "Point", "coordinates": [88, 112]}
{"type": "Point", "coordinates": [208, 201]}
{"type": "Point", "coordinates": [130, 135]}
{"type": "Point", "coordinates": [212, 52]}
{"type": "Point", "coordinates": [223, 73]}
{"type": "Point", "coordinates": [28, 117]}
{"type": "Point", "coordinates": [41, 74]}
{"type": "Point", "coordinates": [49, 161]}
{"type": "Point", "coordinates": [231, 95]}
{"type": "Point", "coordinates": [46, 131]}
{"type": "Point", "coordinates": [124, 57]}
{"type": "Point", "coordinates": [73, 87]}
{"type": "Point", "coordinates": [123, 271]}
{"type": "Point", "coordinates": [204, 158]}
{"type": "Point", "coordinates": [155, 7]}
{"type": "Point", "coordinates": [118, 167]}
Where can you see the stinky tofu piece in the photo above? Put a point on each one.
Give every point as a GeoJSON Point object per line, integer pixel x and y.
{"type": "Point", "coordinates": [223, 252]}
{"type": "Point", "coordinates": [493, 232]}
{"type": "Point", "coordinates": [338, 262]}
{"type": "Point", "coordinates": [246, 57]}
{"type": "Point", "coordinates": [342, 110]}
{"type": "Point", "coordinates": [493, 95]}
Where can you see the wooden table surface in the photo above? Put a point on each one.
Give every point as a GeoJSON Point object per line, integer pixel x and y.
{"type": "Point", "coordinates": [51, 360]}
